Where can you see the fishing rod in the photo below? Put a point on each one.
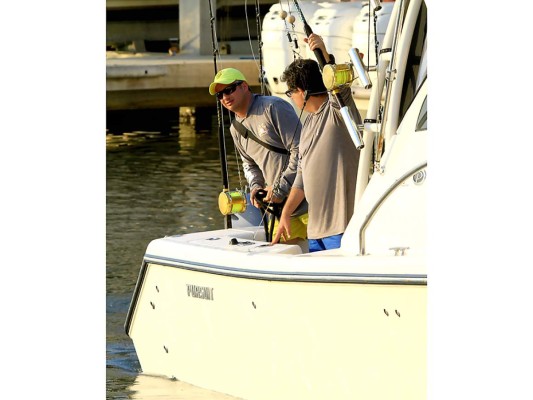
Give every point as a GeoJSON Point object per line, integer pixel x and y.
{"type": "Point", "coordinates": [308, 31]}
{"type": "Point", "coordinates": [346, 113]}
{"type": "Point", "coordinates": [221, 140]}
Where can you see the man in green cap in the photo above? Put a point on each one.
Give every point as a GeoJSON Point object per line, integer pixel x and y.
{"type": "Point", "coordinates": [266, 133]}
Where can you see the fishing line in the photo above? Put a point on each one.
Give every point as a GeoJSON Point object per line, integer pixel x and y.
{"type": "Point", "coordinates": [248, 29]}
{"type": "Point", "coordinates": [293, 40]}
{"type": "Point", "coordinates": [241, 186]}
{"type": "Point", "coordinates": [283, 15]}
{"type": "Point", "coordinates": [250, 38]}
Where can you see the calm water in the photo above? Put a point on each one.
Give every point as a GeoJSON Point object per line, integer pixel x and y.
{"type": "Point", "coordinates": [157, 184]}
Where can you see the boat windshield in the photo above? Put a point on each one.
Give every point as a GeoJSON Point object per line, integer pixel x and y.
{"type": "Point", "coordinates": [416, 63]}
{"type": "Point", "coordinates": [422, 121]}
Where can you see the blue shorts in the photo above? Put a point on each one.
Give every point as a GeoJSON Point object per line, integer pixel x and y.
{"type": "Point", "coordinates": [327, 243]}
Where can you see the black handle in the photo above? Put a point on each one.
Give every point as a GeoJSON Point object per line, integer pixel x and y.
{"type": "Point", "coordinates": [273, 208]}
{"type": "Point", "coordinates": [318, 53]}
{"type": "Point", "coordinates": [308, 31]}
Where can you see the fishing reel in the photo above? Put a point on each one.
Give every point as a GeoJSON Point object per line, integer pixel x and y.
{"type": "Point", "coordinates": [232, 202]}
{"type": "Point", "coordinates": [338, 75]}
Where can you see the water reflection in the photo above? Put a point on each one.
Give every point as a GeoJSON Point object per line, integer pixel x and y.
{"type": "Point", "coordinates": [157, 184]}
{"type": "Point", "coordinates": [157, 187]}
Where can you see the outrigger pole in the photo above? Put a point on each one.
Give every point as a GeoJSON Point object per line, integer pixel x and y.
{"type": "Point", "coordinates": [345, 111]}
{"type": "Point", "coordinates": [221, 139]}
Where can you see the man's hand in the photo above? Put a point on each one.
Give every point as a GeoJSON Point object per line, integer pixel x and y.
{"type": "Point", "coordinates": [284, 229]}
{"type": "Point", "coordinates": [252, 197]}
{"type": "Point", "coordinates": [315, 42]}
{"type": "Point", "coordinates": [270, 198]}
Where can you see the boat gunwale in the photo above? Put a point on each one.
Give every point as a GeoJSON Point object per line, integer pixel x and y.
{"type": "Point", "coordinates": [292, 276]}
{"type": "Point", "coordinates": [269, 275]}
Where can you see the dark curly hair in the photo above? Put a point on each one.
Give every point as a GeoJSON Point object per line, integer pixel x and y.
{"type": "Point", "coordinates": [304, 74]}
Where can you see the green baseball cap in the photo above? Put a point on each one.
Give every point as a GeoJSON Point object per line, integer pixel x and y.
{"type": "Point", "coordinates": [225, 77]}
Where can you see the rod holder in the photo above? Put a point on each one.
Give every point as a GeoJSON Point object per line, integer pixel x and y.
{"type": "Point", "coordinates": [352, 128]}
{"type": "Point", "coordinates": [360, 69]}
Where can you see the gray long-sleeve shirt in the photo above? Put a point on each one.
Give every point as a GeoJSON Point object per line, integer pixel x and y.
{"type": "Point", "coordinates": [327, 169]}
{"type": "Point", "coordinates": [273, 121]}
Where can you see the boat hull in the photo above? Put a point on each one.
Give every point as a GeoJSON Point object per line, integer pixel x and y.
{"type": "Point", "coordinates": [259, 338]}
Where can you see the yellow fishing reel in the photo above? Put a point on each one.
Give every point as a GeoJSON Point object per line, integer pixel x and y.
{"type": "Point", "coordinates": [232, 202]}
{"type": "Point", "coordinates": [338, 75]}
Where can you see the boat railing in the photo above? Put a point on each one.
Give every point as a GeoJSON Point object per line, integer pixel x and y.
{"type": "Point", "coordinates": [384, 196]}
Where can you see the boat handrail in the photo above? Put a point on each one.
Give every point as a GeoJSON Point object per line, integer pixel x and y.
{"type": "Point", "coordinates": [378, 204]}
{"type": "Point", "coordinates": [390, 76]}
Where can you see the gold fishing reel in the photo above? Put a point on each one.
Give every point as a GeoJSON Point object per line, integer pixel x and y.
{"type": "Point", "coordinates": [232, 202]}
{"type": "Point", "coordinates": [335, 76]}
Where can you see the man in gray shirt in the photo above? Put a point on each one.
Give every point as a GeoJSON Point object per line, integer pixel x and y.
{"type": "Point", "coordinates": [328, 161]}
{"type": "Point", "coordinates": [266, 134]}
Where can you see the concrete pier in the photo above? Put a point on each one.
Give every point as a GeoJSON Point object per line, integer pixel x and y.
{"type": "Point", "coordinates": [164, 81]}
{"type": "Point", "coordinates": [138, 76]}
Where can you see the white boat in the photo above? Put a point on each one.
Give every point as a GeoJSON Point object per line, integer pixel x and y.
{"type": "Point", "coordinates": [226, 311]}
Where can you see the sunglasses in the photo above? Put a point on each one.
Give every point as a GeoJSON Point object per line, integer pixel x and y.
{"type": "Point", "coordinates": [290, 92]}
{"type": "Point", "coordinates": [228, 90]}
